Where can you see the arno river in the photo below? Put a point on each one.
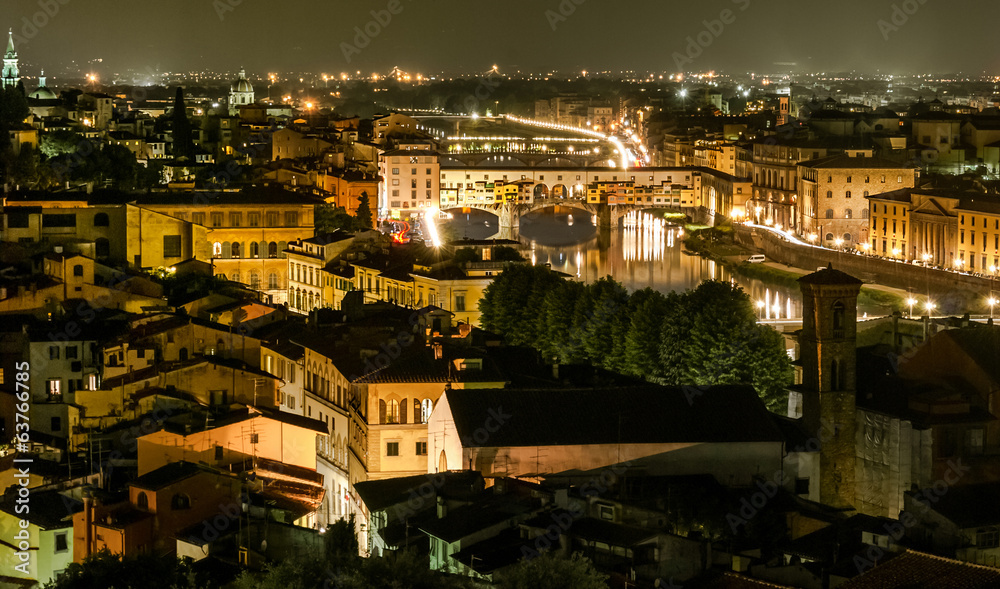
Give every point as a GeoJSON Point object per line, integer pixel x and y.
{"type": "Point", "coordinates": [636, 257]}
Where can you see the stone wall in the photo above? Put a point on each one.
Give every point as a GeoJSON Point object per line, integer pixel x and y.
{"type": "Point", "coordinates": [953, 293]}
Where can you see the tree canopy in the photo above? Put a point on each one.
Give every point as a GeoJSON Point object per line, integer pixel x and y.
{"type": "Point", "coordinates": [705, 336]}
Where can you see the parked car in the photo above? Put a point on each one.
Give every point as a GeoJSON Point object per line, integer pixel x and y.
{"type": "Point", "coordinates": [757, 259]}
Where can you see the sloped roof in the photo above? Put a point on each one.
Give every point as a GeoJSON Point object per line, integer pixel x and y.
{"type": "Point", "coordinates": [830, 276]}
{"type": "Point", "coordinates": [917, 570]}
{"type": "Point", "coordinates": [167, 475]}
{"type": "Point", "coordinates": [629, 414]}
{"type": "Point", "coordinates": [381, 494]}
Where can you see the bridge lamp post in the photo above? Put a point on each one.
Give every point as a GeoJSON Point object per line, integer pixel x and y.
{"type": "Point", "coordinates": [992, 301]}
{"type": "Point", "coordinates": [911, 301]}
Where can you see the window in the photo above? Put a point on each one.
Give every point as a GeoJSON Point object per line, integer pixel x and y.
{"type": "Point", "coordinates": [142, 501]}
{"type": "Point", "coordinates": [987, 538]}
{"type": "Point", "coordinates": [272, 281]}
{"type": "Point", "coordinates": [254, 438]}
{"type": "Point", "coordinates": [235, 219]}
{"type": "Point", "coordinates": [71, 352]}
{"type": "Point", "coordinates": [848, 195]}
{"type": "Point", "coordinates": [392, 449]}
{"type": "Point", "coordinates": [53, 352]}
{"type": "Point", "coordinates": [291, 219]}
{"type": "Point", "coordinates": [271, 219]}
{"type": "Point", "coordinates": [216, 219]}
{"type": "Point", "coordinates": [101, 220]}
{"type": "Point", "coordinates": [78, 270]}
{"type": "Point", "coordinates": [52, 387]}
{"type": "Point", "coordinates": [253, 219]}
{"type": "Point", "coordinates": [460, 302]}
{"type": "Point", "coordinates": [829, 194]}
{"type": "Point", "coordinates": [61, 544]}
{"type": "Point", "coordinates": [829, 213]}
{"type": "Point", "coordinates": [848, 213]}
{"type": "Point", "coordinates": [171, 246]}
{"type": "Point", "coordinates": [182, 501]}
{"type": "Point", "coordinates": [421, 448]}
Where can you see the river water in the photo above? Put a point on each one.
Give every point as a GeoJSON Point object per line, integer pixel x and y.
{"type": "Point", "coordinates": [638, 257]}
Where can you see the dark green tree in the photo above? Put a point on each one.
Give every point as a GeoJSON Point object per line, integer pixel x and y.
{"type": "Point", "coordinates": [502, 253]}
{"type": "Point", "coordinates": [642, 338]}
{"type": "Point", "coordinates": [550, 572]}
{"type": "Point", "coordinates": [511, 305]}
{"type": "Point", "coordinates": [104, 569]}
{"type": "Point", "coordinates": [556, 321]}
{"type": "Point", "coordinates": [183, 146]}
{"type": "Point", "coordinates": [465, 255]}
{"type": "Point", "coordinates": [329, 218]}
{"type": "Point", "coordinates": [363, 215]}
{"type": "Point", "coordinates": [60, 142]}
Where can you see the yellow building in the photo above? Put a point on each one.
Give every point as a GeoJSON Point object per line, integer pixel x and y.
{"type": "Point", "coordinates": [248, 232]}
{"type": "Point", "coordinates": [939, 227]}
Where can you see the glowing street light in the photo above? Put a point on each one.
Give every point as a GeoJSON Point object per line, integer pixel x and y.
{"type": "Point", "coordinates": [911, 301]}
{"type": "Point", "coordinates": [929, 306]}
{"type": "Point", "coordinates": [992, 301]}
{"type": "Point", "coordinates": [838, 242]}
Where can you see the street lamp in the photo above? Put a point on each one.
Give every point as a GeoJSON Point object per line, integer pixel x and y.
{"type": "Point", "coordinates": [992, 301]}
{"type": "Point", "coordinates": [911, 301]}
{"type": "Point", "coordinates": [838, 242]}
{"type": "Point", "coordinates": [929, 306]}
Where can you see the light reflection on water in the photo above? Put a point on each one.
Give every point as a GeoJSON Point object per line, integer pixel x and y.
{"type": "Point", "coordinates": [645, 254]}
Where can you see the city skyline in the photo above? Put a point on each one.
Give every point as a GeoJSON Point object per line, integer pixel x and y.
{"type": "Point", "coordinates": [571, 35]}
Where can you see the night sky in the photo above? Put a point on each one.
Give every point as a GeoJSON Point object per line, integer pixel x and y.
{"type": "Point", "coordinates": [472, 35]}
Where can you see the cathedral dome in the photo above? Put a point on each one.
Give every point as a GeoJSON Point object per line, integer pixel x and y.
{"type": "Point", "coordinates": [43, 92]}
{"type": "Point", "coordinates": [242, 84]}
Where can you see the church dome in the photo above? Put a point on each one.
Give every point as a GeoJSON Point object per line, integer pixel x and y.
{"type": "Point", "coordinates": [42, 92]}
{"type": "Point", "coordinates": [242, 84]}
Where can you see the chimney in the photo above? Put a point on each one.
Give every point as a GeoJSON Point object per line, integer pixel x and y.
{"type": "Point", "coordinates": [442, 508]}
{"type": "Point", "coordinates": [88, 520]}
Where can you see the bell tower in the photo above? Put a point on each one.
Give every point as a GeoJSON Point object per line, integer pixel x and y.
{"type": "Point", "coordinates": [11, 75]}
{"type": "Point", "coordinates": [827, 346]}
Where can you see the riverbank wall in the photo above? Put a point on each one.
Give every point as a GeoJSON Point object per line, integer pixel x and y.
{"type": "Point", "coordinates": [952, 292]}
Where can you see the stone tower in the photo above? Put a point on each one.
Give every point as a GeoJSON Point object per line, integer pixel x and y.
{"type": "Point", "coordinates": [11, 75]}
{"type": "Point", "coordinates": [827, 346]}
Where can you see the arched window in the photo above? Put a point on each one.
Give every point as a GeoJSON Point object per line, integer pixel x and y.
{"type": "Point", "coordinates": [392, 411]}
{"type": "Point", "coordinates": [829, 213]}
{"type": "Point", "coordinates": [847, 238]}
{"type": "Point", "coordinates": [101, 220]}
{"type": "Point", "coordinates": [262, 249]}
{"type": "Point", "coordinates": [235, 277]}
{"type": "Point", "coordinates": [78, 270]}
{"type": "Point", "coordinates": [835, 375]}
{"type": "Point", "coordinates": [864, 213]}
{"type": "Point", "coordinates": [425, 410]}
{"type": "Point", "coordinates": [182, 354]}
{"type": "Point", "coordinates": [254, 249]}
{"type": "Point", "coordinates": [402, 411]}
{"type": "Point", "coordinates": [226, 250]}
{"type": "Point", "coordinates": [281, 249]}
{"type": "Point", "coordinates": [272, 281]}
{"type": "Point", "coordinates": [829, 237]}
{"type": "Point", "coordinates": [829, 194]}
{"type": "Point", "coordinates": [254, 280]}
{"type": "Point", "coordinates": [442, 462]}
{"type": "Point", "coordinates": [866, 194]}
{"type": "Point", "coordinates": [236, 249]}
{"type": "Point", "coordinates": [272, 250]}
{"type": "Point", "coordinates": [418, 416]}
{"type": "Point", "coordinates": [216, 250]}
{"type": "Point", "coordinates": [838, 317]}
{"type": "Point", "coordinates": [848, 213]}
{"type": "Point", "coordinates": [180, 501]}
{"type": "Point", "coordinates": [848, 194]}
{"type": "Point", "coordinates": [142, 501]}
